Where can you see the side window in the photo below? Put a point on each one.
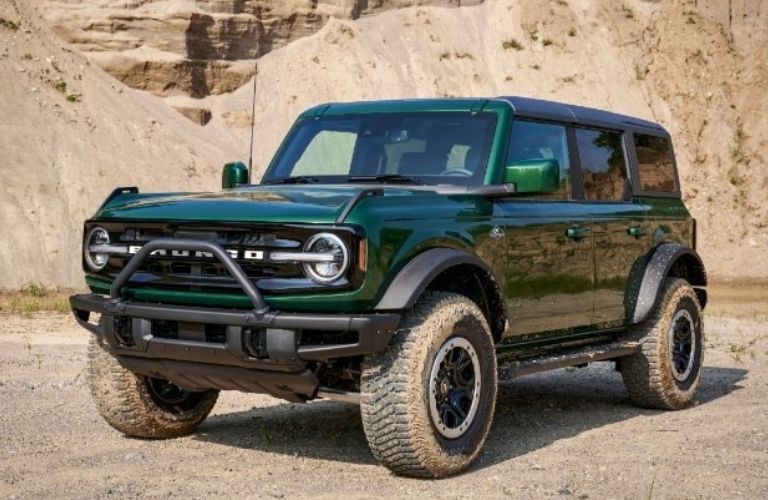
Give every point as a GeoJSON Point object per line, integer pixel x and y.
{"type": "Point", "coordinates": [602, 165]}
{"type": "Point", "coordinates": [328, 153]}
{"type": "Point", "coordinates": [536, 141]}
{"type": "Point", "coordinates": [654, 161]}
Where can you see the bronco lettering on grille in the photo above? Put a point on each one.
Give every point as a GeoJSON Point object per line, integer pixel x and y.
{"type": "Point", "coordinates": [234, 253]}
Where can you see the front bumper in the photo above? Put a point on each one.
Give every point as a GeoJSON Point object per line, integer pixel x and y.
{"type": "Point", "coordinates": [256, 350]}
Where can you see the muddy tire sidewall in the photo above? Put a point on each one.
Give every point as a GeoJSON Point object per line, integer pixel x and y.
{"type": "Point", "coordinates": [126, 401]}
{"type": "Point", "coordinates": [395, 390]}
{"type": "Point", "coordinates": [648, 374]}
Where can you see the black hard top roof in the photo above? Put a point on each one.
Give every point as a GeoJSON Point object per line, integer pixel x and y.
{"type": "Point", "coordinates": [569, 113]}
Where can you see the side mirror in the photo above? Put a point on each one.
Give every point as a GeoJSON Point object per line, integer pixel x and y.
{"type": "Point", "coordinates": [533, 176]}
{"type": "Point", "coordinates": [234, 174]}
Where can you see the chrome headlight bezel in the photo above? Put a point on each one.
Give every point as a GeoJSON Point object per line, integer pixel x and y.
{"type": "Point", "coordinates": [310, 268]}
{"type": "Point", "coordinates": [93, 260]}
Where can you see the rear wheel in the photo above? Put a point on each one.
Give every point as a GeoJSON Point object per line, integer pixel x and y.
{"type": "Point", "coordinates": [143, 406]}
{"type": "Point", "coordinates": [428, 400]}
{"type": "Point", "coordinates": [666, 372]}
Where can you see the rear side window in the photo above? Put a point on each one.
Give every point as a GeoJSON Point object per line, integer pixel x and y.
{"type": "Point", "coordinates": [655, 165]}
{"type": "Point", "coordinates": [603, 167]}
{"type": "Point", "coordinates": [537, 141]}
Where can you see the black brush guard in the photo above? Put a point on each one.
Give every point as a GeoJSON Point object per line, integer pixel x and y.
{"type": "Point", "coordinates": [280, 367]}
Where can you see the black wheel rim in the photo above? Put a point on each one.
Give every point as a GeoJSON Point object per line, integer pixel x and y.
{"type": "Point", "coordinates": [454, 387]}
{"type": "Point", "coordinates": [170, 395]}
{"type": "Point", "coordinates": [682, 344]}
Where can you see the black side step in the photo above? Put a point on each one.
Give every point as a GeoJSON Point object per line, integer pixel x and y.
{"type": "Point", "coordinates": [564, 358]}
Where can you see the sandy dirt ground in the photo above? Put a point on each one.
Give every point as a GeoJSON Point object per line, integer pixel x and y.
{"type": "Point", "coordinates": [569, 433]}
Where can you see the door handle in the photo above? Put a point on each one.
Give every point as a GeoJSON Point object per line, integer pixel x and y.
{"type": "Point", "coordinates": [636, 231]}
{"type": "Point", "coordinates": [576, 232]}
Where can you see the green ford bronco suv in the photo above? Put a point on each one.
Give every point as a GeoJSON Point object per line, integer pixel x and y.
{"type": "Point", "coordinates": [405, 256]}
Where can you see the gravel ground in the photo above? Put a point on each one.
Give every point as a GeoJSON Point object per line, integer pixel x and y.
{"type": "Point", "coordinates": [568, 433]}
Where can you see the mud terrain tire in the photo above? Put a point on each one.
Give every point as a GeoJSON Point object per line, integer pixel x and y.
{"type": "Point", "coordinates": [130, 403]}
{"type": "Point", "coordinates": [666, 372]}
{"type": "Point", "coordinates": [443, 340]}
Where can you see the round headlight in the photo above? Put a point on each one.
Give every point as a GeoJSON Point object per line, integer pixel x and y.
{"type": "Point", "coordinates": [96, 236]}
{"type": "Point", "coordinates": [332, 258]}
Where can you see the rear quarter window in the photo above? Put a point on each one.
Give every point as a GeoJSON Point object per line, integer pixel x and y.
{"type": "Point", "coordinates": [655, 164]}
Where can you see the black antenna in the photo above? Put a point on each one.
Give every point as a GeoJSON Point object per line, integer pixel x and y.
{"type": "Point", "coordinates": [253, 122]}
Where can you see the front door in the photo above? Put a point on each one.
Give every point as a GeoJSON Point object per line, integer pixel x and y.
{"type": "Point", "coordinates": [550, 270]}
{"type": "Point", "coordinates": [550, 285]}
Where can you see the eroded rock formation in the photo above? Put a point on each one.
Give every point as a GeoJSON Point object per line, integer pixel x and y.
{"type": "Point", "coordinates": [192, 47]}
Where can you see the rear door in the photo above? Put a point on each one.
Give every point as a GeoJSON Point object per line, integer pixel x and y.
{"type": "Point", "coordinates": [549, 282]}
{"type": "Point", "coordinates": [620, 229]}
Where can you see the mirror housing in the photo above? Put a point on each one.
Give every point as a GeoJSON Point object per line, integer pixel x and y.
{"type": "Point", "coordinates": [234, 174]}
{"type": "Point", "coordinates": [533, 176]}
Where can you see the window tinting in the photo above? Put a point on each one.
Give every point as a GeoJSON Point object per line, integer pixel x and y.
{"type": "Point", "coordinates": [537, 141]}
{"type": "Point", "coordinates": [602, 165]}
{"type": "Point", "coordinates": [654, 161]}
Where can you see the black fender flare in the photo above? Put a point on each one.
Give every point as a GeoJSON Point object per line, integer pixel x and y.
{"type": "Point", "coordinates": [419, 272]}
{"type": "Point", "coordinates": [643, 297]}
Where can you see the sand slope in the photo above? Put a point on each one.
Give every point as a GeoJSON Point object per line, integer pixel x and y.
{"type": "Point", "coordinates": [59, 159]}
{"type": "Point", "coordinates": [701, 70]}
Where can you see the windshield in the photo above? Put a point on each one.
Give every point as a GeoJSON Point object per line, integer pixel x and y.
{"type": "Point", "coordinates": [418, 148]}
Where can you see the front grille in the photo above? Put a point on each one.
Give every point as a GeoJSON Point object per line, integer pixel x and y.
{"type": "Point", "coordinates": [175, 267]}
{"type": "Point", "coordinates": [190, 271]}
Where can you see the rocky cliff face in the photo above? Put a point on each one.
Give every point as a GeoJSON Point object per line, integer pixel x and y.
{"type": "Point", "coordinates": [70, 135]}
{"type": "Point", "coordinates": [197, 47]}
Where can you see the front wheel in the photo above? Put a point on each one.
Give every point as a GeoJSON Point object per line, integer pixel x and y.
{"type": "Point", "coordinates": [143, 406]}
{"type": "Point", "coordinates": [428, 400]}
{"type": "Point", "coordinates": [666, 372]}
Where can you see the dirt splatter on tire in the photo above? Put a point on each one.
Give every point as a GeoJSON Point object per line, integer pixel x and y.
{"type": "Point", "coordinates": [395, 406]}
{"type": "Point", "coordinates": [654, 376]}
{"type": "Point", "coordinates": [130, 403]}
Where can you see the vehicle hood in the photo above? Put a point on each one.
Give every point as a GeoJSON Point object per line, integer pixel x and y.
{"type": "Point", "coordinates": [288, 204]}
{"type": "Point", "coordinates": [300, 204]}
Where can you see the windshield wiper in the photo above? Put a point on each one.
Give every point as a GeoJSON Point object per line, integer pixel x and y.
{"type": "Point", "coordinates": [299, 179]}
{"type": "Point", "coordinates": [394, 178]}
